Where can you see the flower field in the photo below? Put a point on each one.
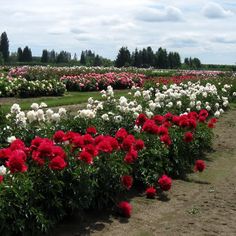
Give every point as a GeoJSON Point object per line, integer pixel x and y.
{"type": "Point", "coordinates": [57, 162]}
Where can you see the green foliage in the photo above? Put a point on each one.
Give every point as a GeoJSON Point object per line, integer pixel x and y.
{"type": "Point", "coordinates": [4, 46]}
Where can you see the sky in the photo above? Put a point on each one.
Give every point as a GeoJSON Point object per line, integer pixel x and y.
{"type": "Point", "coordinates": [196, 28]}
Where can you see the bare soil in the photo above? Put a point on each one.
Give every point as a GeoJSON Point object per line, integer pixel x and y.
{"type": "Point", "coordinates": [205, 204]}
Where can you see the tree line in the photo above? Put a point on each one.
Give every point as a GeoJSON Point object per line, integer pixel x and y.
{"type": "Point", "coordinates": [144, 58]}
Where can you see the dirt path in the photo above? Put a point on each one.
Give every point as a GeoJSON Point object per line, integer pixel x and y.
{"type": "Point", "coordinates": [204, 205]}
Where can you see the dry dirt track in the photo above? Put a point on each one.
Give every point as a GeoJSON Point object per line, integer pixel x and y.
{"type": "Point", "coordinates": [204, 205]}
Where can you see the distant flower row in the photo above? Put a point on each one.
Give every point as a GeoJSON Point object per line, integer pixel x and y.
{"type": "Point", "coordinates": [93, 81]}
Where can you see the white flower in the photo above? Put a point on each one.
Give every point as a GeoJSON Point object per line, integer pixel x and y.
{"type": "Point", "coordinates": [43, 105]}
{"type": "Point", "coordinates": [225, 103]}
{"type": "Point", "coordinates": [35, 106]}
{"type": "Point", "coordinates": [137, 129]}
{"type": "Point", "coordinates": [20, 117]}
{"type": "Point", "coordinates": [118, 119]}
{"type": "Point", "coordinates": [137, 94]}
{"type": "Point", "coordinates": [179, 104]}
{"type": "Point", "coordinates": [15, 108]}
{"type": "Point", "coordinates": [3, 170]}
{"type": "Point", "coordinates": [208, 108]}
{"type": "Point", "coordinates": [198, 108]}
{"type": "Point", "coordinates": [40, 115]}
{"type": "Point", "coordinates": [105, 117]}
{"type": "Point", "coordinates": [90, 101]}
{"type": "Point", "coordinates": [217, 114]}
{"type": "Point", "coordinates": [192, 104]}
{"type": "Point", "coordinates": [234, 94]}
{"type": "Point", "coordinates": [49, 114]}
{"type": "Point", "coordinates": [217, 105]}
{"type": "Point", "coordinates": [11, 139]}
{"type": "Point", "coordinates": [31, 116]}
{"type": "Point", "coordinates": [62, 111]}
{"type": "Point", "coordinates": [149, 114]}
{"type": "Point", "coordinates": [221, 111]}
{"type": "Point", "coordinates": [56, 117]}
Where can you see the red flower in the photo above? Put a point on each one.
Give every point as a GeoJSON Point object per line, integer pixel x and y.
{"type": "Point", "coordinates": [183, 121]}
{"type": "Point", "coordinates": [70, 135]}
{"type": "Point", "coordinates": [150, 127]}
{"type": "Point", "coordinates": [128, 142]}
{"type": "Point", "coordinates": [5, 153]}
{"type": "Point", "coordinates": [91, 149]}
{"type": "Point", "coordinates": [17, 145]}
{"type": "Point", "coordinates": [139, 144]}
{"type": "Point", "coordinates": [121, 134]}
{"type": "Point", "coordinates": [78, 141]}
{"type": "Point", "coordinates": [168, 116]}
{"type": "Point", "coordinates": [203, 113]}
{"type": "Point", "coordinates": [127, 181]}
{"type": "Point", "coordinates": [37, 158]}
{"type": "Point", "coordinates": [165, 183]}
{"type": "Point", "coordinates": [45, 148]}
{"type": "Point", "coordinates": [141, 119]}
{"type": "Point", "coordinates": [57, 163]}
{"type": "Point", "coordinates": [105, 146]}
{"type": "Point", "coordinates": [16, 162]}
{"type": "Point", "coordinates": [211, 123]}
{"type": "Point", "coordinates": [58, 151]}
{"type": "Point", "coordinates": [188, 137]}
{"type": "Point", "coordinates": [175, 120]}
{"type": "Point", "coordinates": [91, 130]}
{"type": "Point", "coordinates": [199, 165]}
{"type": "Point", "coordinates": [86, 157]}
{"type": "Point", "coordinates": [88, 139]}
{"type": "Point", "coordinates": [114, 143]}
{"type": "Point", "coordinates": [159, 119]}
{"type": "Point", "coordinates": [58, 137]}
{"type": "Point", "coordinates": [125, 209]}
{"type": "Point", "coordinates": [150, 192]}
{"type": "Point", "coordinates": [1, 178]}
{"type": "Point", "coordinates": [162, 130]}
{"type": "Point", "coordinates": [166, 139]}
{"type": "Point", "coordinates": [35, 143]}
{"type": "Point", "coordinates": [192, 123]}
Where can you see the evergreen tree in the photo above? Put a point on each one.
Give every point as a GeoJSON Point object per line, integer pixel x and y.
{"type": "Point", "coordinates": [161, 59]}
{"type": "Point", "coordinates": [82, 59]}
{"type": "Point", "coordinates": [27, 54]}
{"type": "Point", "coordinates": [137, 58]}
{"type": "Point", "coordinates": [123, 58]}
{"type": "Point", "coordinates": [19, 55]}
{"type": "Point", "coordinates": [45, 56]}
{"type": "Point", "coordinates": [97, 61]}
{"type": "Point", "coordinates": [4, 46]}
{"type": "Point", "coordinates": [150, 57]}
{"type": "Point", "coordinates": [52, 56]}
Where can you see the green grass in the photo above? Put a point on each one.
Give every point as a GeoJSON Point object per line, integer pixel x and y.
{"type": "Point", "coordinates": [70, 98]}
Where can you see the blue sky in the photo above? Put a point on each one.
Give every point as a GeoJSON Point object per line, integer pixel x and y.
{"type": "Point", "coordinates": [197, 28]}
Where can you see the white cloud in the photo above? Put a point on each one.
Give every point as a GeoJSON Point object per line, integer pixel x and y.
{"type": "Point", "coordinates": [214, 10]}
{"type": "Point", "coordinates": [170, 13]}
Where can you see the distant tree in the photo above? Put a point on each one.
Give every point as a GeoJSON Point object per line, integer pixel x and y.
{"type": "Point", "coordinates": [186, 61]}
{"type": "Point", "coordinates": [27, 54]}
{"type": "Point", "coordinates": [123, 58]}
{"type": "Point", "coordinates": [45, 56]}
{"type": "Point", "coordinates": [13, 57]}
{"type": "Point", "coordinates": [97, 61]}
{"type": "Point", "coordinates": [136, 58]}
{"type": "Point", "coordinates": [75, 57]}
{"type": "Point", "coordinates": [150, 57]}
{"type": "Point", "coordinates": [1, 59]}
{"type": "Point", "coordinates": [4, 46]}
{"type": "Point", "coordinates": [63, 57]}
{"type": "Point", "coordinates": [196, 63]}
{"type": "Point", "coordinates": [52, 56]}
{"type": "Point", "coordinates": [82, 59]}
{"type": "Point", "coordinates": [19, 55]}
{"type": "Point", "coordinates": [161, 60]}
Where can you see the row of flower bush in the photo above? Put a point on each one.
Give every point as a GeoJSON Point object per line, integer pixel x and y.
{"type": "Point", "coordinates": [49, 178]}
{"type": "Point", "coordinates": [146, 137]}
{"type": "Point", "coordinates": [49, 72]}
{"type": "Point", "coordinates": [20, 87]}
{"type": "Point", "coordinates": [93, 81]}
